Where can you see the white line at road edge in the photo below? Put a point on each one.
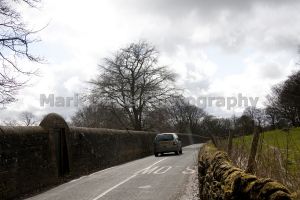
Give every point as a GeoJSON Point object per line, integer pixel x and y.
{"type": "Point", "coordinates": [127, 179]}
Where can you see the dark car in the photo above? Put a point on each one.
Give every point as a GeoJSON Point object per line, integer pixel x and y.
{"type": "Point", "coordinates": [167, 142]}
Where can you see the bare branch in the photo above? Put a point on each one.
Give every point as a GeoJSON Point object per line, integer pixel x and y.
{"type": "Point", "coordinates": [133, 80]}
{"type": "Point", "coordinates": [15, 40]}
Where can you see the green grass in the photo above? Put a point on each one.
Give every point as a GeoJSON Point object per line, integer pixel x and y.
{"type": "Point", "coordinates": [278, 156]}
{"type": "Point", "coordinates": [277, 139]}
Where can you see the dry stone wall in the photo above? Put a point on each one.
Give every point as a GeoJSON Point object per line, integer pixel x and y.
{"type": "Point", "coordinates": [219, 179]}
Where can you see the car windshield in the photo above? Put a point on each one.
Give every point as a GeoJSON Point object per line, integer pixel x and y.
{"type": "Point", "coordinates": [164, 137]}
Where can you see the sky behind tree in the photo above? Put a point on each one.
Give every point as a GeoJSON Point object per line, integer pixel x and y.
{"type": "Point", "coordinates": [217, 48]}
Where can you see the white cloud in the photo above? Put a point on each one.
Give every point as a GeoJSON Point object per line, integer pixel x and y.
{"type": "Point", "coordinates": [198, 39]}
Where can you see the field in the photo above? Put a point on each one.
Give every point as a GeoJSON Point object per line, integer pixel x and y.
{"type": "Point", "coordinates": [278, 155]}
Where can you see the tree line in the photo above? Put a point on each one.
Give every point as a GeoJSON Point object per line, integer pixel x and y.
{"type": "Point", "coordinates": [283, 104]}
{"type": "Point", "coordinates": [133, 91]}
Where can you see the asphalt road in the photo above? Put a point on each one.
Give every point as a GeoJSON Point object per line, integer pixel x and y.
{"type": "Point", "coordinates": [164, 177]}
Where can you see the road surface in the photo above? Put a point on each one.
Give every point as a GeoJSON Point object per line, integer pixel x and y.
{"type": "Point", "coordinates": [165, 177]}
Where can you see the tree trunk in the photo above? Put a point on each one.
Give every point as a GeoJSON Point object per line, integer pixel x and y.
{"type": "Point", "coordinates": [273, 123]}
{"type": "Point", "coordinates": [137, 120]}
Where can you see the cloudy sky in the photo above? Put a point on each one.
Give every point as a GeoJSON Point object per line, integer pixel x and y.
{"type": "Point", "coordinates": [218, 48]}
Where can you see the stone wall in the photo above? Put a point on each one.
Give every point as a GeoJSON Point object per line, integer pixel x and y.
{"type": "Point", "coordinates": [25, 162]}
{"type": "Point", "coordinates": [34, 158]}
{"type": "Point", "coordinates": [219, 179]}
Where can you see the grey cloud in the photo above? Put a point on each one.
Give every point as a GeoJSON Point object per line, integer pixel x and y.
{"type": "Point", "coordinates": [275, 70]}
{"type": "Point", "coordinates": [232, 23]}
{"type": "Point", "coordinates": [177, 8]}
{"type": "Point", "coordinates": [197, 86]}
{"type": "Point", "coordinates": [195, 82]}
{"type": "Point", "coordinates": [271, 70]}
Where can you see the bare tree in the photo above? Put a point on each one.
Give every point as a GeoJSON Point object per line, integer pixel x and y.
{"type": "Point", "coordinates": [159, 120]}
{"type": "Point", "coordinates": [15, 39]}
{"type": "Point", "coordinates": [290, 95]}
{"type": "Point", "coordinates": [99, 116]}
{"type": "Point", "coordinates": [255, 114]}
{"type": "Point", "coordinates": [282, 103]}
{"type": "Point", "coordinates": [133, 80]}
{"type": "Point", "coordinates": [210, 126]}
{"type": "Point", "coordinates": [272, 116]}
{"type": "Point", "coordinates": [244, 125]}
{"type": "Point", "coordinates": [186, 117]}
{"type": "Point", "coordinates": [10, 122]}
{"type": "Point", "coordinates": [28, 118]}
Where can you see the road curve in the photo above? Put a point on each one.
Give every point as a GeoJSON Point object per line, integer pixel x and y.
{"type": "Point", "coordinates": [164, 177]}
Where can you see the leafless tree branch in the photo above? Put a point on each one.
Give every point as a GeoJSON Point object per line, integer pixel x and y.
{"type": "Point", "coordinates": [133, 80]}
{"type": "Point", "coordinates": [15, 41]}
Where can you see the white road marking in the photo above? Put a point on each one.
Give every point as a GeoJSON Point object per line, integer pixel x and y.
{"type": "Point", "coordinates": [162, 170]}
{"type": "Point", "coordinates": [188, 170]}
{"type": "Point", "coordinates": [150, 170]}
{"type": "Point", "coordinates": [147, 168]}
{"type": "Point", "coordinates": [127, 179]}
{"type": "Point", "coordinates": [145, 187]}
{"type": "Point", "coordinates": [114, 187]}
